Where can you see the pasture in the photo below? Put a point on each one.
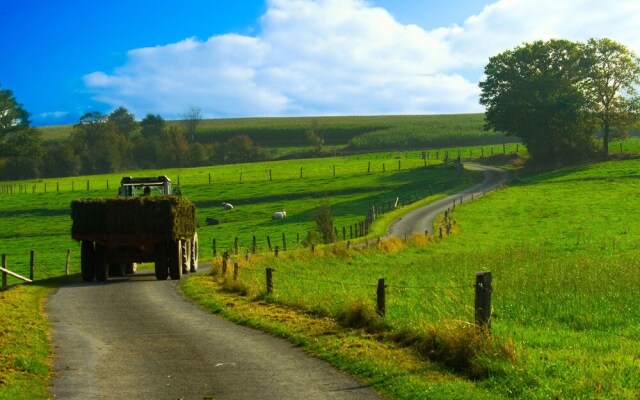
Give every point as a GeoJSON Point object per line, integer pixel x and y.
{"type": "Point", "coordinates": [36, 214]}
{"type": "Point", "coordinates": [563, 250]}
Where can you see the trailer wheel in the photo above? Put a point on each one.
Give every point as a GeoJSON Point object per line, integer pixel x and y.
{"type": "Point", "coordinates": [87, 261]}
{"type": "Point", "coordinates": [161, 258]}
{"type": "Point", "coordinates": [102, 268]}
{"type": "Point", "coordinates": [186, 255]}
{"type": "Point", "coordinates": [175, 259]}
{"type": "Point", "coordinates": [194, 253]}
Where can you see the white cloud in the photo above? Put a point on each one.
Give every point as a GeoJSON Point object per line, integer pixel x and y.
{"type": "Point", "coordinates": [54, 114]}
{"type": "Point", "coordinates": [347, 57]}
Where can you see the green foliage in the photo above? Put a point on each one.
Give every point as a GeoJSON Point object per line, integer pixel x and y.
{"type": "Point", "coordinates": [124, 121]}
{"type": "Point", "coordinates": [556, 95]}
{"type": "Point", "coordinates": [151, 126]}
{"type": "Point", "coordinates": [323, 217]}
{"type": "Point", "coordinates": [533, 92]}
{"type": "Point", "coordinates": [13, 116]}
{"type": "Point", "coordinates": [613, 76]}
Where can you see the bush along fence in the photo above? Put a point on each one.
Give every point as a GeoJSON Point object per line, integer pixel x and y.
{"type": "Point", "coordinates": [6, 272]}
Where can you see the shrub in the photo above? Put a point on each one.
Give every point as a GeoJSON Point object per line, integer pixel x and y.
{"type": "Point", "coordinates": [361, 315]}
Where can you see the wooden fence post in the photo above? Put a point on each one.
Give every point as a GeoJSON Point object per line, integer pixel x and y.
{"type": "Point", "coordinates": [235, 271]}
{"type": "Point", "coordinates": [31, 257]}
{"type": "Point", "coordinates": [284, 242]}
{"type": "Point", "coordinates": [483, 300]}
{"type": "Point", "coordinates": [225, 257]}
{"type": "Point", "coordinates": [66, 267]}
{"type": "Point", "coordinates": [236, 246]}
{"type": "Point", "coordinates": [269, 242]}
{"type": "Point", "coordinates": [253, 245]}
{"type": "Point", "coordinates": [269, 281]}
{"type": "Point", "coordinates": [381, 298]}
{"type": "Point", "coordinates": [215, 251]}
{"type": "Point", "coordinates": [276, 251]}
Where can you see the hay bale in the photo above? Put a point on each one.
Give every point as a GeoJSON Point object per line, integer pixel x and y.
{"type": "Point", "coordinates": [170, 216]}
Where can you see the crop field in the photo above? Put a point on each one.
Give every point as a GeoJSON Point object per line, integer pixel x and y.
{"type": "Point", "coordinates": [359, 133]}
{"type": "Point", "coordinates": [564, 253]}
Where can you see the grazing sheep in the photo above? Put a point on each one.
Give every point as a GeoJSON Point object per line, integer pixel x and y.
{"type": "Point", "coordinates": [279, 214]}
{"type": "Point", "coordinates": [226, 206]}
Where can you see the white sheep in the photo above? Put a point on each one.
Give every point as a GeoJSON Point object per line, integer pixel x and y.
{"type": "Point", "coordinates": [279, 214]}
{"type": "Point", "coordinates": [226, 206]}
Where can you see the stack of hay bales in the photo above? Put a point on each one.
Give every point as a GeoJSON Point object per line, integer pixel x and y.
{"type": "Point", "coordinates": [171, 216]}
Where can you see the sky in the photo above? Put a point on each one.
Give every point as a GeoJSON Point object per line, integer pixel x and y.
{"type": "Point", "coordinates": [252, 58]}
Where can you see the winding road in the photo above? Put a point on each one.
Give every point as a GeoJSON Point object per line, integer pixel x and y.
{"type": "Point", "coordinates": [421, 219]}
{"type": "Point", "coordinates": [138, 338]}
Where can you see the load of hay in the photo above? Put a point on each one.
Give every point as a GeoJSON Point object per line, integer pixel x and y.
{"type": "Point", "coordinates": [170, 216]}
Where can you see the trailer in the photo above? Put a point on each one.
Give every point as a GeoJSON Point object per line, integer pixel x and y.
{"type": "Point", "coordinates": [147, 223]}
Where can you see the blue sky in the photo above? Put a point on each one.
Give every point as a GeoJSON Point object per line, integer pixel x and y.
{"type": "Point", "coordinates": [276, 57]}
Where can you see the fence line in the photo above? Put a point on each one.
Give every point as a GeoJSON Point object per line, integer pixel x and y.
{"type": "Point", "coordinates": [32, 264]}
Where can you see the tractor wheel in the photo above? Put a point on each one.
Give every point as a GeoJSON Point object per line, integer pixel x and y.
{"type": "Point", "coordinates": [161, 261]}
{"type": "Point", "coordinates": [87, 261]}
{"type": "Point", "coordinates": [194, 253]}
{"type": "Point", "coordinates": [130, 268]}
{"type": "Point", "coordinates": [102, 268]}
{"type": "Point", "coordinates": [175, 259]}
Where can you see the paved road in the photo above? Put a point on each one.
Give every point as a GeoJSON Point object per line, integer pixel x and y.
{"type": "Point", "coordinates": [421, 220]}
{"type": "Point", "coordinates": [137, 338]}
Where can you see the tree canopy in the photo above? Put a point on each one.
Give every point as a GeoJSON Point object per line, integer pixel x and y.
{"type": "Point", "coordinates": [557, 95]}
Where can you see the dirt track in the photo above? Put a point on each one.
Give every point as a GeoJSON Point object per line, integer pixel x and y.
{"type": "Point", "coordinates": [137, 338]}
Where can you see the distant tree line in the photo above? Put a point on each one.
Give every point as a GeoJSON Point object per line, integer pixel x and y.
{"type": "Point", "coordinates": [110, 143]}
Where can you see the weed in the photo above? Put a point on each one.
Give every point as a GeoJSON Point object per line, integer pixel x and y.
{"type": "Point", "coordinates": [361, 315]}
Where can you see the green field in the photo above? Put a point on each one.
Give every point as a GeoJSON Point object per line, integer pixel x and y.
{"type": "Point", "coordinates": [36, 215]}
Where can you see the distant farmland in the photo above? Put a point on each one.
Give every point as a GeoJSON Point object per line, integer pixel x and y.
{"type": "Point", "coordinates": [354, 132]}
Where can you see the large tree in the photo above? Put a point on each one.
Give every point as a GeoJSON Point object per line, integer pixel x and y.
{"type": "Point", "coordinates": [614, 71]}
{"type": "Point", "coordinates": [534, 92]}
{"type": "Point", "coordinates": [558, 95]}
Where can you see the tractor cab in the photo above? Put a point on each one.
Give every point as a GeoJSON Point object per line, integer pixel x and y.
{"type": "Point", "coordinates": [147, 186]}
